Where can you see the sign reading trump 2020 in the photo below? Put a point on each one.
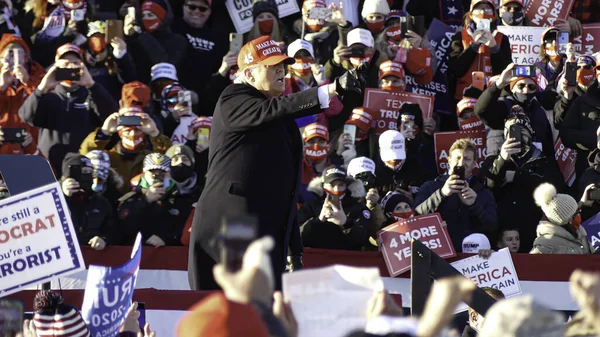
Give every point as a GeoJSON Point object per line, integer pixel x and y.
{"type": "Point", "coordinates": [108, 294]}
{"type": "Point", "coordinates": [37, 239]}
{"type": "Point", "coordinates": [395, 241]}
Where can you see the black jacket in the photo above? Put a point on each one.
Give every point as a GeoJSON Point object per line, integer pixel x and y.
{"type": "Point", "coordinates": [164, 218]}
{"type": "Point", "coordinates": [147, 49]}
{"type": "Point", "coordinates": [493, 107]}
{"type": "Point", "coordinates": [462, 220]}
{"type": "Point", "coordinates": [255, 155]}
{"type": "Point", "coordinates": [92, 217]}
{"type": "Point", "coordinates": [353, 235]}
{"type": "Point", "coordinates": [66, 118]}
{"type": "Point", "coordinates": [515, 204]}
{"type": "Point", "coordinates": [590, 176]}
{"type": "Point", "coordinates": [581, 122]}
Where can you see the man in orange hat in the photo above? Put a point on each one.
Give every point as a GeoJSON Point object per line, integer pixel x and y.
{"type": "Point", "coordinates": [255, 155]}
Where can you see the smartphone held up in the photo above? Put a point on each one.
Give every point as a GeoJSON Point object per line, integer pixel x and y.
{"type": "Point", "coordinates": [237, 233]}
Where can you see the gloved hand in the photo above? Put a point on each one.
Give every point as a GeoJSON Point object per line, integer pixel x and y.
{"type": "Point", "coordinates": [353, 81]}
{"type": "Point", "coordinates": [294, 263]}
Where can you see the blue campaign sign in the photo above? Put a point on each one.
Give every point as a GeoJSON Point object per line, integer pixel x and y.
{"type": "Point", "coordinates": [440, 36]}
{"type": "Point", "coordinates": [108, 294]}
{"type": "Point", "coordinates": [592, 227]}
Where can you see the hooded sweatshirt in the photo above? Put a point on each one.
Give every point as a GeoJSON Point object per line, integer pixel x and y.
{"type": "Point", "coordinates": [147, 49]}
{"type": "Point", "coordinates": [14, 96]}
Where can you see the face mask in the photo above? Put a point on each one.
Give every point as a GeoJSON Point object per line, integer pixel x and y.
{"type": "Point", "coordinates": [314, 25]}
{"type": "Point", "coordinates": [394, 165]}
{"type": "Point", "coordinates": [361, 135]}
{"type": "Point", "coordinates": [577, 221]}
{"type": "Point", "coordinates": [316, 153]}
{"type": "Point", "coordinates": [402, 215]}
{"type": "Point", "coordinates": [97, 44]}
{"type": "Point", "coordinates": [86, 182]}
{"type": "Point", "coordinates": [181, 173]}
{"type": "Point", "coordinates": [98, 187]}
{"type": "Point", "coordinates": [512, 19]}
{"type": "Point", "coordinates": [375, 27]}
{"type": "Point", "coordinates": [524, 98]}
{"type": "Point", "coordinates": [356, 61]}
{"type": "Point", "coordinates": [302, 67]}
{"type": "Point", "coordinates": [585, 77]}
{"type": "Point", "coordinates": [131, 143]}
{"type": "Point", "coordinates": [266, 26]}
{"type": "Point", "coordinates": [339, 193]}
{"type": "Point", "coordinates": [151, 25]}
{"type": "Point", "coordinates": [394, 33]}
{"type": "Point", "coordinates": [393, 88]}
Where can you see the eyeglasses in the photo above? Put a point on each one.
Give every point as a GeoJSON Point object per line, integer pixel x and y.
{"type": "Point", "coordinates": [483, 10]}
{"type": "Point", "coordinates": [202, 9]}
{"type": "Point", "coordinates": [531, 87]}
{"type": "Point", "coordinates": [517, 9]}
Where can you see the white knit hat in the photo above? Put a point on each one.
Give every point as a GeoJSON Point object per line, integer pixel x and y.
{"type": "Point", "coordinates": [375, 6]}
{"type": "Point", "coordinates": [558, 208]}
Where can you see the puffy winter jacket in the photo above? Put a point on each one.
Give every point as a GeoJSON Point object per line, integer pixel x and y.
{"type": "Point", "coordinates": [555, 239]}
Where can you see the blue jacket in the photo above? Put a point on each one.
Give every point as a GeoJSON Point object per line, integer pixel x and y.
{"type": "Point", "coordinates": [462, 220]}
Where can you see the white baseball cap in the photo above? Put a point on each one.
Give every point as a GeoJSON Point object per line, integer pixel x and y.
{"type": "Point", "coordinates": [360, 165]}
{"type": "Point", "coordinates": [475, 242]}
{"type": "Point", "coordinates": [163, 70]}
{"type": "Point", "coordinates": [392, 146]}
{"type": "Point", "coordinates": [299, 45]}
{"type": "Point", "coordinates": [360, 35]}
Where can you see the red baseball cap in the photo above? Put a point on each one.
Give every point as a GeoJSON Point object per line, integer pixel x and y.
{"type": "Point", "coordinates": [392, 68]}
{"type": "Point", "coordinates": [262, 50]}
{"type": "Point", "coordinates": [315, 130]}
{"type": "Point", "coordinates": [67, 48]}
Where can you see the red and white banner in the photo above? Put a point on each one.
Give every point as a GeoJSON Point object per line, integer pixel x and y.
{"type": "Point", "coordinates": [545, 13]}
{"type": "Point", "coordinates": [566, 159]}
{"type": "Point", "coordinates": [395, 240]}
{"type": "Point", "coordinates": [386, 106]}
{"type": "Point", "coordinates": [163, 283]}
{"type": "Point", "coordinates": [443, 141]}
{"type": "Point", "coordinates": [589, 42]}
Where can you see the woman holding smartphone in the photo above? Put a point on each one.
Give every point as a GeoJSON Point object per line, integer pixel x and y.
{"type": "Point", "coordinates": [479, 47]}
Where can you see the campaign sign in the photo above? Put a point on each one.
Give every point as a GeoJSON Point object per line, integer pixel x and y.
{"type": "Point", "coordinates": [497, 272]}
{"type": "Point", "coordinates": [589, 42]}
{"type": "Point", "coordinates": [545, 13]}
{"type": "Point", "coordinates": [240, 12]}
{"type": "Point", "coordinates": [37, 239]}
{"type": "Point", "coordinates": [440, 36]}
{"type": "Point", "coordinates": [395, 240]}
{"type": "Point", "coordinates": [525, 42]}
{"type": "Point", "coordinates": [592, 227]}
{"type": "Point", "coordinates": [566, 158]}
{"type": "Point", "coordinates": [108, 294]}
{"type": "Point", "coordinates": [472, 124]}
{"type": "Point", "coordinates": [443, 141]}
{"type": "Point", "coordinates": [387, 104]}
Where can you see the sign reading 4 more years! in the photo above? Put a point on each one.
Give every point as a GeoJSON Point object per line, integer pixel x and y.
{"type": "Point", "coordinates": [37, 239]}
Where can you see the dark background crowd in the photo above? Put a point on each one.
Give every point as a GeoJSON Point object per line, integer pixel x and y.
{"type": "Point", "coordinates": [118, 97]}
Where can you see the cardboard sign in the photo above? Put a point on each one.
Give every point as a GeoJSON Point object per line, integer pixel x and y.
{"type": "Point", "coordinates": [525, 43]}
{"type": "Point", "coordinates": [566, 159]}
{"type": "Point", "coordinates": [386, 106]}
{"type": "Point", "coordinates": [444, 140]}
{"type": "Point", "coordinates": [472, 124]}
{"type": "Point", "coordinates": [37, 239]}
{"type": "Point", "coordinates": [497, 272]}
{"type": "Point", "coordinates": [240, 12]}
{"type": "Point", "coordinates": [589, 42]}
{"type": "Point", "coordinates": [108, 294]}
{"type": "Point", "coordinates": [395, 240]}
{"type": "Point", "coordinates": [545, 13]}
{"type": "Point", "coordinates": [592, 227]}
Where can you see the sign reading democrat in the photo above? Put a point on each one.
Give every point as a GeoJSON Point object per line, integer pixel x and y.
{"type": "Point", "coordinates": [37, 239]}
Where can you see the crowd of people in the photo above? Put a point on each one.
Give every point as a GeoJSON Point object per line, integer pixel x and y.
{"type": "Point", "coordinates": [125, 123]}
{"type": "Point", "coordinates": [119, 96]}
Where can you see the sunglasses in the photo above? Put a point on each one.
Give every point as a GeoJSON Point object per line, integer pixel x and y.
{"type": "Point", "coordinates": [531, 87]}
{"type": "Point", "coordinates": [202, 9]}
{"type": "Point", "coordinates": [517, 9]}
